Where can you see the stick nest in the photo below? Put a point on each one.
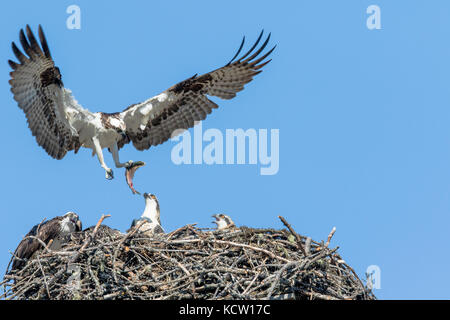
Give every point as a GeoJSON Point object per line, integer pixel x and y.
{"type": "Point", "coordinates": [240, 263]}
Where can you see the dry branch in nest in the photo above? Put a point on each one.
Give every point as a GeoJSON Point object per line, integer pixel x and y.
{"type": "Point", "coordinates": [240, 263]}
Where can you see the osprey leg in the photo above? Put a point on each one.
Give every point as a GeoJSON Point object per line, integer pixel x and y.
{"type": "Point", "coordinates": [115, 155]}
{"type": "Point", "coordinates": [98, 150]}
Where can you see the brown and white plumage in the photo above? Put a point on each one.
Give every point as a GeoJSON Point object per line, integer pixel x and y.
{"type": "Point", "coordinates": [187, 101]}
{"type": "Point", "coordinates": [35, 83]}
{"type": "Point", "coordinates": [54, 230]}
{"type": "Point", "coordinates": [223, 221]}
{"type": "Point", "coordinates": [60, 124]}
{"type": "Point", "coordinates": [150, 220]}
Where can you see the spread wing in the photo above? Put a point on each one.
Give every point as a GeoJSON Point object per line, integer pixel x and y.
{"type": "Point", "coordinates": [154, 121]}
{"type": "Point", "coordinates": [38, 89]}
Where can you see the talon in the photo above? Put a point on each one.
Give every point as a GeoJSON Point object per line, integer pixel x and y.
{"type": "Point", "coordinates": [129, 164]}
{"type": "Point", "coordinates": [109, 174]}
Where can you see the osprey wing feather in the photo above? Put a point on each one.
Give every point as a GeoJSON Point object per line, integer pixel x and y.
{"type": "Point", "coordinates": [154, 121]}
{"type": "Point", "coordinates": [54, 230]}
{"type": "Point", "coordinates": [38, 89]}
{"type": "Point", "coordinates": [44, 232]}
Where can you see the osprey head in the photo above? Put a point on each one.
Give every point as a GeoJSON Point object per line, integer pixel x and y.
{"type": "Point", "coordinates": [222, 221]}
{"type": "Point", "coordinates": [151, 210]}
{"type": "Point", "coordinates": [71, 222]}
{"type": "Point", "coordinates": [150, 196]}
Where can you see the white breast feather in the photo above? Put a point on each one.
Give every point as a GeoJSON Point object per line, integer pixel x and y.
{"type": "Point", "coordinates": [115, 122]}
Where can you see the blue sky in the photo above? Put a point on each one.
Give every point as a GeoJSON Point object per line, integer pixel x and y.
{"type": "Point", "coordinates": [362, 117]}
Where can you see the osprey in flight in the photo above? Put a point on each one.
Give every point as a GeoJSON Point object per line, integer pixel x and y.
{"type": "Point", "coordinates": [60, 124]}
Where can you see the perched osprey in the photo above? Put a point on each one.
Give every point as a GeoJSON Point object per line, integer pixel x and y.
{"type": "Point", "coordinates": [223, 221]}
{"type": "Point", "coordinates": [55, 230]}
{"type": "Point", "coordinates": [60, 124]}
{"type": "Point", "coordinates": [151, 216]}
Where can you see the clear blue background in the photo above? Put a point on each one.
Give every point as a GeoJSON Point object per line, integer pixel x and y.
{"type": "Point", "coordinates": [363, 118]}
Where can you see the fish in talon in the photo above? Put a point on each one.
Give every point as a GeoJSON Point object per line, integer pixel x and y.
{"type": "Point", "coordinates": [129, 174]}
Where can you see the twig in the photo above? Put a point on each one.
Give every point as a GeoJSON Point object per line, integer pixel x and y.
{"type": "Point", "coordinates": [295, 234]}
{"type": "Point", "coordinates": [252, 248]}
{"type": "Point", "coordinates": [43, 275]}
{"type": "Point", "coordinates": [92, 236]}
{"type": "Point", "coordinates": [278, 275]}
{"type": "Point", "coordinates": [330, 236]}
{"type": "Point", "coordinates": [308, 246]}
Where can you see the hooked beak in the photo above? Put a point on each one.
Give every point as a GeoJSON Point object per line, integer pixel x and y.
{"type": "Point", "coordinates": [216, 217]}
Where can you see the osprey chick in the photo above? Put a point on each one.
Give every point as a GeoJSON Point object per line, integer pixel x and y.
{"type": "Point", "coordinates": [60, 124]}
{"type": "Point", "coordinates": [150, 216]}
{"type": "Point", "coordinates": [223, 221]}
{"type": "Point", "coordinates": [55, 230]}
